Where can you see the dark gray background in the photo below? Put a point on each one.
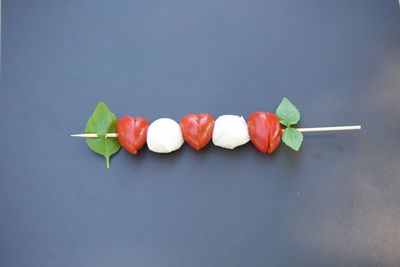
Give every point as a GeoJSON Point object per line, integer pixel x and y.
{"type": "Point", "coordinates": [334, 203]}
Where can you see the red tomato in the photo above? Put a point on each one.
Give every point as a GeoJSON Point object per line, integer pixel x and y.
{"type": "Point", "coordinates": [197, 129]}
{"type": "Point", "coordinates": [132, 133]}
{"type": "Point", "coordinates": [265, 131]}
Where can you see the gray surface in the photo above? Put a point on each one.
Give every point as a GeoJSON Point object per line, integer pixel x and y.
{"type": "Point", "coordinates": [335, 203]}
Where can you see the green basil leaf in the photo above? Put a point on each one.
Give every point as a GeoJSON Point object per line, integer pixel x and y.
{"type": "Point", "coordinates": [287, 112]}
{"type": "Point", "coordinates": [102, 122]}
{"type": "Point", "coordinates": [292, 138]}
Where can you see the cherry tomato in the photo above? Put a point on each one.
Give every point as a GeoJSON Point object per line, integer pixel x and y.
{"type": "Point", "coordinates": [132, 133]}
{"type": "Point", "coordinates": [265, 131]}
{"type": "Point", "coordinates": [197, 129]}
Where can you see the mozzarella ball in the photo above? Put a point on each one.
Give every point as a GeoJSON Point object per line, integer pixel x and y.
{"type": "Point", "coordinates": [230, 131]}
{"type": "Point", "coordinates": [164, 136]}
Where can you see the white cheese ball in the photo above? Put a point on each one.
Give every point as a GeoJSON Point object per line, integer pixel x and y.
{"type": "Point", "coordinates": [164, 136]}
{"type": "Point", "coordinates": [230, 131]}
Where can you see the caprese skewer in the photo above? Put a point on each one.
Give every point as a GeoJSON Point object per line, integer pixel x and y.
{"type": "Point", "coordinates": [105, 134]}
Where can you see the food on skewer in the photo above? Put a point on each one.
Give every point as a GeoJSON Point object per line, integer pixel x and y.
{"type": "Point", "coordinates": [132, 132]}
{"type": "Point", "coordinates": [197, 129]}
{"type": "Point", "coordinates": [230, 131]}
{"type": "Point", "coordinates": [166, 135]}
{"type": "Point", "coordinates": [102, 122]}
{"type": "Point", "coordinates": [265, 131]}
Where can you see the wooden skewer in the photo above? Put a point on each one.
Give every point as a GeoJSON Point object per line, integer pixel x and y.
{"type": "Point", "coordinates": [304, 130]}
{"type": "Point", "coordinates": [330, 129]}
{"type": "Point", "coordinates": [93, 135]}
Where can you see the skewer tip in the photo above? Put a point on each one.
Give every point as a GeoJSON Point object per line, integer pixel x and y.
{"type": "Point", "coordinates": [93, 135]}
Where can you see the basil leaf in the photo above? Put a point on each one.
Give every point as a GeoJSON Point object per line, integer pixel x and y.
{"type": "Point", "coordinates": [287, 112]}
{"type": "Point", "coordinates": [292, 138]}
{"type": "Point", "coordinates": [102, 122]}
